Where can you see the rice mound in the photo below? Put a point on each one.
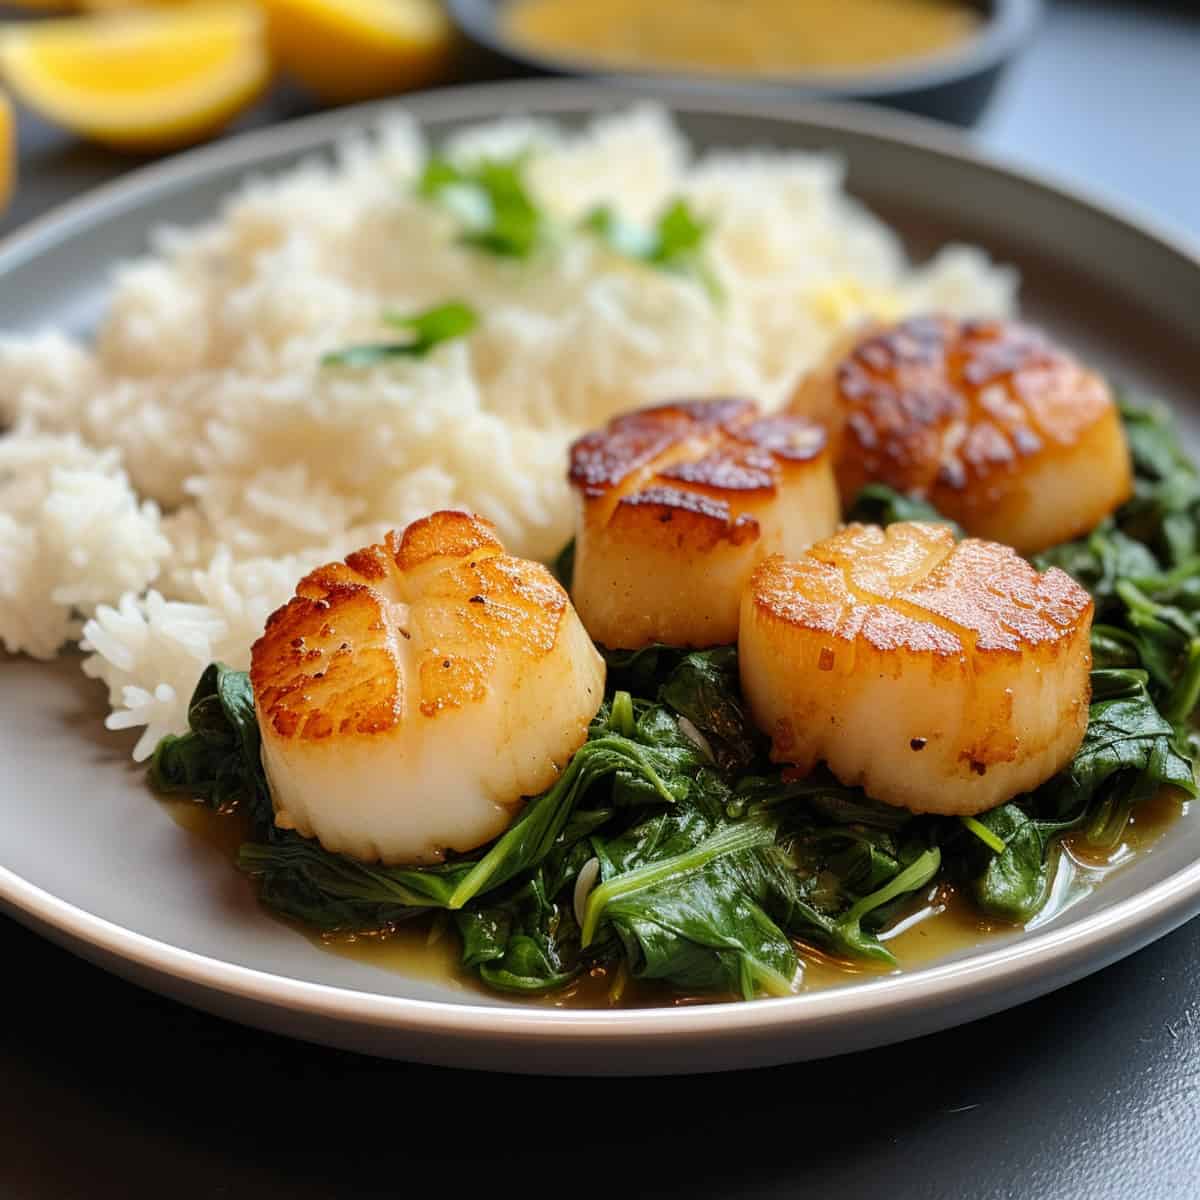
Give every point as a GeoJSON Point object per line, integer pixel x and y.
{"type": "Point", "coordinates": [162, 490]}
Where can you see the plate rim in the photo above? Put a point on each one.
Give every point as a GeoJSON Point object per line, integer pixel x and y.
{"type": "Point", "coordinates": [1044, 956]}
{"type": "Point", "coordinates": [551, 97]}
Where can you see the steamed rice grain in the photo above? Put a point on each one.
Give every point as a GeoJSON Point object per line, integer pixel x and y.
{"type": "Point", "coordinates": [203, 397]}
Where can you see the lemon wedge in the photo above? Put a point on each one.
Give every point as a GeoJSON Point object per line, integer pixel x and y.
{"type": "Point", "coordinates": [347, 50]}
{"type": "Point", "coordinates": [144, 79]}
{"type": "Point", "coordinates": [8, 151]}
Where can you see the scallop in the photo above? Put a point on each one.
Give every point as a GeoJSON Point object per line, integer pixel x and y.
{"type": "Point", "coordinates": [411, 696]}
{"type": "Point", "coordinates": [676, 505]}
{"type": "Point", "coordinates": [941, 677]}
{"type": "Point", "coordinates": [989, 421]}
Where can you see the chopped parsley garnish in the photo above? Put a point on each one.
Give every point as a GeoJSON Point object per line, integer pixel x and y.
{"type": "Point", "coordinates": [498, 214]}
{"type": "Point", "coordinates": [491, 202]}
{"type": "Point", "coordinates": [675, 242]}
{"type": "Point", "coordinates": [427, 329]}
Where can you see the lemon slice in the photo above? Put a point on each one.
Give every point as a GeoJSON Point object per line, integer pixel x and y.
{"type": "Point", "coordinates": [8, 151]}
{"type": "Point", "coordinates": [348, 50]}
{"type": "Point", "coordinates": [145, 79]}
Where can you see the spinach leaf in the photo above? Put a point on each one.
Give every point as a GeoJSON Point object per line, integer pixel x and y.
{"type": "Point", "coordinates": [685, 896]}
{"type": "Point", "coordinates": [494, 207]}
{"type": "Point", "coordinates": [1114, 647]}
{"type": "Point", "coordinates": [1181, 701]}
{"type": "Point", "coordinates": [1015, 883]}
{"type": "Point", "coordinates": [821, 795]}
{"type": "Point", "coordinates": [528, 944]}
{"type": "Point", "coordinates": [524, 937]}
{"type": "Point", "coordinates": [428, 329]}
{"type": "Point", "coordinates": [698, 685]}
{"type": "Point", "coordinates": [1129, 752]}
{"type": "Point", "coordinates": [532, 836]}
{"type": "Point", "coordinates": [1125, 732]}
{"type": "Point", "coordinates": [680, 762]}
{"type": "Point", "coordinates": [218, 761]}
{"type": "Point", "coordinates": [703, 688]}
{"type": "Point", "coordinates": [851, 859]}
{"type": "Point", "coordinates": [1153, 439]}
{"type": "Point", "coordinates": [297, 875]}
{"type": "Point", "coordinates": [1166, 501]}
{"type": "Point", "coordinates": [1149, 615]}
{"type": "Point", "coordinates": [1160, 633]}
{"type": "Point", "coordinates": [848, 933]}
{"type": "Point", "coordinates": [1102, 559]}
{"type": "Point", "coordinates": [642, 672]}
{"type": "Point", "coordinates": [878, 504]}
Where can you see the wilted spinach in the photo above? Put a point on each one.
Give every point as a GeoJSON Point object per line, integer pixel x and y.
{"type": "Point", "coordinates": [878, 504]}
{"type": "Point", "coordinates": [294, 870]}
{"type": "Point", "coordinates": [1143, 569]}
{"type": "Point", "coordinates": [686, 897]}
{"type": "Point", "coordinates": [218, 761]}
{"type": "Point", "coordinates": [712, 862]}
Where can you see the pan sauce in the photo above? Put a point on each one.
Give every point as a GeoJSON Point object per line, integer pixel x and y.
{"type": "Point", "coordinates": [940, 924]}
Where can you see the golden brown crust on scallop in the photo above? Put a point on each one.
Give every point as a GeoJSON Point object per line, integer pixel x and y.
{"type": "Point", "coordinates": [331, 659]}
{"type": "Point", "coordinates": [671, 518]}
{"type": "Point", "coordinates": [604, 458]}
{"type": "Point", "coordinates": [934, 403]}
{"type": "Point", "coordinates": [689, 464]}
{"type": "Point", "coordinates": [975, 416]}
{"type": "Point", "coordinates": [443, 535]}
{"type": "Point", "coordinates": [973, 596]}
{"type": "Point", "coordinates": [879, 643]}
{"type": "Point", "coordinates": [675, 505]}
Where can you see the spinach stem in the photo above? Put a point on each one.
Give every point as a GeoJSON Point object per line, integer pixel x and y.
{"type": "Point", "coordinates": [984, 834]}
{"type": "Point", "coordinates": [1185, 695]}
{"type": "Point", "coordinates": [595, 758]}
{"type": "Point", "coordinates": [622, 714]}
{"type": "Point", "coordinates": [915, 875]}
{"type": "Point", "coordinates": [744, 836]}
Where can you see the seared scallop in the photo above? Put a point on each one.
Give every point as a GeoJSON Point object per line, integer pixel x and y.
{"type": "Point", "coordinates": [676, 505]}
{"type": "Point", "coordinates": [410, 697]}
{"type": "Point", "coordinates": [989, 421]}
{"type": "Point", "coordinates": [940, 677]}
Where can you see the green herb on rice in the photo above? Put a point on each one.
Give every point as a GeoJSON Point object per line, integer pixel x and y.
{"type": "Point", "coordinates": [426, 329]}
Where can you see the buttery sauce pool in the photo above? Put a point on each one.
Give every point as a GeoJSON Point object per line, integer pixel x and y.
{"type": "Point", "coordinates": [740, 37]}
{"type": "Point", "coordinates": [938, 924]}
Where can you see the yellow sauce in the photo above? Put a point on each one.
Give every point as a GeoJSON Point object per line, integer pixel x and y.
{"type": "Point", "coordinates": [939, 923]}
{"type": "Point", "coordinates": [740, 37]}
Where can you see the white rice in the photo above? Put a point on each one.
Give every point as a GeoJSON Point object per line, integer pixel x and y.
{"type": "Point", "coordinates": [203, 397]}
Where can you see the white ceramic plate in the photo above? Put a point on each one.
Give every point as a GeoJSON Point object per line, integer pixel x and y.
{"type": "Point", "coordinates": [92, 860]}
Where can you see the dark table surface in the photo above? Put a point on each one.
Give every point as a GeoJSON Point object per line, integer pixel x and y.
{"type": "Point", "coordinates": [106, 1090]}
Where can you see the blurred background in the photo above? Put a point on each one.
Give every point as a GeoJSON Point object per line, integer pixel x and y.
{"type": "Point", "coordinates": [1097, 91]}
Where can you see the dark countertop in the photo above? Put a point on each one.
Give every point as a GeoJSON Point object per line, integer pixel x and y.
{"type": "Point", "coordinates": [106, 1090]}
